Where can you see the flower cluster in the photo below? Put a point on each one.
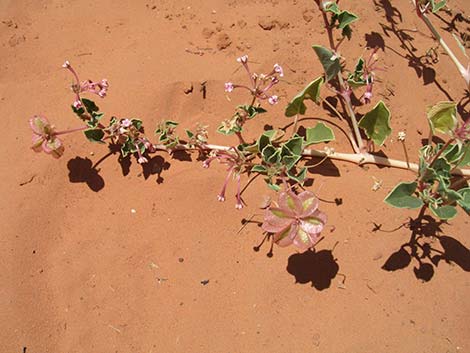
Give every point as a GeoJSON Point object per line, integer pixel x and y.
{"type": "Point", "coordinates": [260, 83]}
{"type": "Point", "coordinates": [296, 220]}
{"type": "Point", "coordinates": [99, 88]}
{"type": "Point", "coordinates": [234, 160]}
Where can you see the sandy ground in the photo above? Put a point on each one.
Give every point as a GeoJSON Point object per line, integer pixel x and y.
{"type": "Point", "coordinates": [82, 273]}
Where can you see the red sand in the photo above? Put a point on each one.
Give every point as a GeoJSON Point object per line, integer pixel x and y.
{"type": "Point", "coordinates": [82, 273]}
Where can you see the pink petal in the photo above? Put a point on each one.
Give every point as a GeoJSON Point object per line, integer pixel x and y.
{"type": "Point", "coordinates": [38, 124]}
{"type": "Point", "coordinates": [320, 215]}
{"type": "Point", "coordinates": [54, 147]}
{"type": "Point", "coordinates": [309, 203]}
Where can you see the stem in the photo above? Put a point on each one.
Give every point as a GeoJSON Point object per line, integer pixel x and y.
{"type": "Point", "coordinates": [63, 132]}
{"type": "Point", "coordinates": [406, 154]}
{"type": "Point", "coordinates": [464, 72]}
{"type": "Point", "coordinates": [439, 153]}
{"type": "Point", "coordinates": [352, 115]}
{"type": "Point", "coordinates": [296, 120]}
{"type": "Point", "coordinates": [360, 159]}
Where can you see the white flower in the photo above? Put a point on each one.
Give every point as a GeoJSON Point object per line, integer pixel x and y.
{"type": "Point", "coordinates": [279, 70]}
{"type": "Point", "coordinates": [273, 100]}
{"type": "Point", "coordinates": [401, 136]}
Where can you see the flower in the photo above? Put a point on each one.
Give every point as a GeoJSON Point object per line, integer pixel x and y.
{"type": "Point", "coordinates": [278, 69]}
{"type": "Point", "coordinates": [44, 138]}
{"type": "Point", "coordinates": [401, 135]}
{"type": "Point", "coordinates": [243, 59]}
{"type": "Point", "coordinates": [273, 100]}
{"type": "Point", "coordinates": [296, 221]}
{"type": "Point", "coordinates": [142, 160]}
{"type": "Point", "coordinates": [228, 87]}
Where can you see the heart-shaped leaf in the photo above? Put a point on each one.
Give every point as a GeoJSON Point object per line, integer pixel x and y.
{"type": "Point", "coordinates": [329, 61]}
{"type": "Point", "coordinates": [376, 123]}
{"type": "Point", "coordinates": [311, 92]}
{"type": "Point", "coordinates": [319, 133]}
{"type": "Point", "coordinates": [402, 196]}
{"type": "Point", "coordinates": [444, 212]}
{"type": "Point", "coordinates": [443, 117]}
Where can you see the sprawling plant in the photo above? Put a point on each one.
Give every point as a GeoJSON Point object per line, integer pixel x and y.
{"type": "Point", "coordinates": [279, 157]}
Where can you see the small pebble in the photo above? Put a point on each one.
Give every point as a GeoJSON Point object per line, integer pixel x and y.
{"type": "Point", "coordinates": [205, 282]}
{"type": "Point", "coordinates": [181, 259]}
{"type": "Point", "coordinates": [133, 210]}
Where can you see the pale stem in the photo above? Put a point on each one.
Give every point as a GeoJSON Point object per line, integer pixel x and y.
{"type": "Point", "coordinates": [356, 158]}
{"type": "Point", "coordinates": [406, 154]}
{"type": "Point", "coordinates": [464, 72]}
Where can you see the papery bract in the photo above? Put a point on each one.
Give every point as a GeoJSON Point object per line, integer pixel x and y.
{"type": "Point", "coordinates": [44, 138]}
{"type": "Point", "coordinates": [296, 220]}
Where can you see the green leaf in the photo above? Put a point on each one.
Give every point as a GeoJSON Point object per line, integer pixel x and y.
{"type": "Point", "coordinates": [443, 117]}
{"type": "Point", "coordinates": [268, 152]}
{"type": "Point", "coordinates": [347, 32]}
{"type": "Point", "coordinates": [329, 61]}
{"type": "Point", "coordinates": [295, 145]}
{"type": "Point", "coordinates": [331, 7]}
{"type": "Point", "coordinates": [460, 45]}
{"type": "Point", "coordinates": [345, 18]}
{"type": "Point", "coordinates": [402, 196]}
{"type": "Point", "coordinates": [465, 201]}
{"type": "Point", "coordinates": [444, 212]}
{"type": "Point", "coordinates": [437, 5]}
{"type": "Point", "coordinates": [94, 135]}
{"type": "Point", "coordinates": [138, 123]}
{"type": "Point", "coordinates": [312, 92]}
{"type": "Point", "coordinates": [90, 105]}
{"type": "Point", "coordinates": [189, 133]}
{"type": "Point", "coordinates": [290, 161]}
{"type": "Point", "coordinates": [465, 161]}
{"type": "Point", "coordinates": [319, 133]}
{"type": "Point", "coordinates": [258, 168]}
{"type": "Point", "coordinates": [356, 79]}
{"type": "Point", "coordinates": [376, 123]}
{"type": "Point", "coordinates": [299, 177]}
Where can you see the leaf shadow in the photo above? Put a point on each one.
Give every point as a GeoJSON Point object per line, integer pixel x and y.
{"type": "Point", "coordinates": [155, 166]}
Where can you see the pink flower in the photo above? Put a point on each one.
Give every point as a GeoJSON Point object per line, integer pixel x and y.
{"type": "Point", "coordinates": [228, 87]}
{"type": "Point", "coordinates": [44, 138]}
{"type": "Point", "coordinates": [126, 122]}
{"type": "Point", "coordinates": [273, 100]}
{"type": "Point", "coordinates": [278, 69]}
{"type": "Point", "coordinates": [98, 88]}
{"type": "Point", "coordinates": [296, 221]}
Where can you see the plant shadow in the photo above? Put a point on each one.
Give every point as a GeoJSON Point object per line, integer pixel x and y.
{"type": "Point", "coordinates": [81, 170]}
{"type": "Point", "coordinates": [155, 166]}
{"type": "Point", "coordinates": [425, 231]}
{"type": "Point", "coordinates": [316, 267]}
{"type": "Point", "coordinates": [421, 64]}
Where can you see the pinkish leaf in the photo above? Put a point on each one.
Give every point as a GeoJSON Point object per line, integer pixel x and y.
{"type": "Point", "coordinates": [38, 124]}
{"type": "Point", "coordinates": [37, 143]}
{"type": "Point", "coordinates": [309, 203]}
{"type": "Point", "coordinates": [303, 240]}
{"type": "Point", "coordinates": [311, 225]}
{"type": "Point", "coordinates": [285, 238]}
{"type": "Point", "coordinates": [290, 201]}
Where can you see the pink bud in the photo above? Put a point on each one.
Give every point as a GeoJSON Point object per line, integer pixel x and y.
{"type": "Point", "coordinates": [279, 70]}
{"type": "Point", "coordinates": [243, 59]}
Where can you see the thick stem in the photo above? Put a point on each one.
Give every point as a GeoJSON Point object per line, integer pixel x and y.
{"type": "Point", "coordinates": [360, 159]}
